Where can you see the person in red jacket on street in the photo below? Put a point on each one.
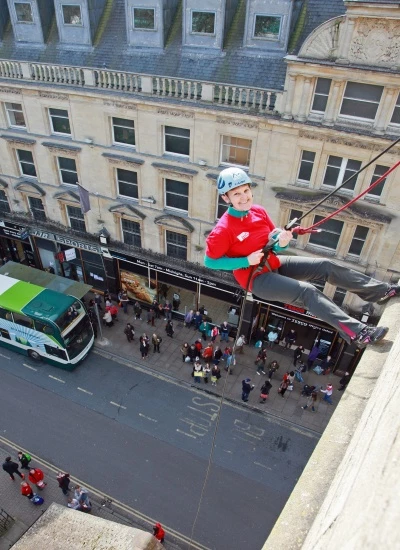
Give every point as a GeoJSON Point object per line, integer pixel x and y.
{"type": "Point", "coordinates": [36, 476]}
{"type": "Point", "coordinates": [26, 489]}
{"type": "Point", "coordinates": [159, 532]}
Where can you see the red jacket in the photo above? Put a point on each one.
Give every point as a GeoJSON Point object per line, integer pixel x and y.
{"type": "Point", "coordinates": [35, 475]}
{"type": "Point", "coordinates": [159, 532]}
{"type": "Point", "coordinates": [26, 490]}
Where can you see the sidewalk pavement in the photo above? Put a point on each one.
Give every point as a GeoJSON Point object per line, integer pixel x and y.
{"type": "Point", "coordinates": [169, 362]}
{"type": "Point", "coordinates": [25, 513]}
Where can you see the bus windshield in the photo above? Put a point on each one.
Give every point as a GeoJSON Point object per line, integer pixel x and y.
{"type": "Point", "coordinates": [79, 337]}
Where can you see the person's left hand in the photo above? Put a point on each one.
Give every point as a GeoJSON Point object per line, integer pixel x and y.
{"type": "Point", "coordinates": [284, 238]}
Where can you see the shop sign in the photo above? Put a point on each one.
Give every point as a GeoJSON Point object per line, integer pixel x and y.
{"type": "Point", "coordinates": [66, 240]}
{"type": "Point", "coordinates": [174, 272]}
{"type": "Point", "coordinates": [300, 322]}
{"type": "Point", "coordinates": [70, 254]}
{"type": "Point", "coordinates": [13, 231]}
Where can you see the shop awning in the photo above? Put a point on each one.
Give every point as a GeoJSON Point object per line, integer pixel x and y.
{"type": "Point", "coordinates": [45, 279]}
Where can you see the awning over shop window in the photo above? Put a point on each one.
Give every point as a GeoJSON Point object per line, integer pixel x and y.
{"type": "Point", "coordinates": [45, 279]}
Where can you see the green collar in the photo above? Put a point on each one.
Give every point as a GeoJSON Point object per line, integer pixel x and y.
{"type": "Point", "coordinates": [237, 213]}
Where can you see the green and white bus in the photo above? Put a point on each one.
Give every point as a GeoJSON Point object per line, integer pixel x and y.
{"type": "Point", "coordinates": [43, 324]}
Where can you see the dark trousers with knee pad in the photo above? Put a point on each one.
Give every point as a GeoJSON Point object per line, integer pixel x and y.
{"type": "Point", "coordinates": [292, 284]}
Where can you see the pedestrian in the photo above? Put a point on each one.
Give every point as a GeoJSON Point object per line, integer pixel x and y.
{"type": "Point", "coordinates": [97, 300]}
{"type": "Point", "coordinates": [156, 342]}
{"type": "Point", "coordinates": [205, 329]}
{"type": "Point", "coordinates": [230, 363]}
{"type": "Point", "coordinates": [124, 301]}
{"type": "Point", "coordinates": [264, 392]}
{"type": "Point", "coordinates": [215, 375]}
{"type": "Point", "coordinates": [159, 532]}
{"type": "Point", "coordinates": [227, 353]}
{"type": "Point", "coordinates": [328, 394]}
{"type": "Point", "coordinates": [272, 338]}
{"type": "Point", "coordinates": [197, 320]}
{"type": "Point", "coordinates": [24, 459]}
{"type": "Point", "coordinates": [150, 317]}
{"type": "Point", "coordinates": [160, 311]}
{"type": "Point", "coordinates": [214, 333]}
{"type": "Point", "coordinates": [283, 387]}
{"type": "Point", "coordinates": [107, 297]}
{"type": "Point", "coordinates": [206, 372]}
{"type": "Point", "coordinates": [291, 377]}
{"type": "Point", "coordinates": [224, 331]}
{"type": "Point", "coordinates": [311, 401]}
{"type": "Point", "coordinates": [36, 476]}
{"type": "Point", "coordinates": [208, 352]}
{"type": "Point", "coordinates": [26, 490]}
{"type": "Point", "coordinates": [12, 468]}
{"type": "Point", "coordinates": [114, 312]}
{"type": "Point", "coordinates": [176, 300]}
{"type": "Point", "coordinates": [297, 355]}
{"type": "Point", "coordinates": [240, 342]}
{"type": "Point", "coordinates": [144, 346]}
{"type": "Point", "coordinates": [197, 371]}
{"type": "Point", "coordinates": [344, 381]}
{"type": "Point", "coordinates": [312, 356]}
{"type": "Point", "coordinates": [290, 339]}
{"type": "Point", "coordinates": [192, 353]}
{"type": "Point", "coordinates": [272, 367]}
{"type": "Point", "coordinates": [129, 332]}
{"type": "Point", "coordinates": [169, 329]}
{"type": "Point", "coordinates": [137, 308]}
{"type": "Point", "coordinates": [285, 278]}
{"type": "Point", "coordinates": [198, 346]}
{"type": "Point", "coordinates": [260, 361]}
{"type": "Point", "coordinates": [185, 352]}
{"type": "Point", "coordinates": [189, 318]}
{"type": "Point", "coordinates": [81, 494]}
{"type": "Point", "coordinates": [63, 482]}
{"type": "Point", "coordinates": [167, 311]}
{"type": "Point", "coordinates": [154, 305]}
{"type": "Point", "coordinates": [246, 389]}
{"type": "Point", "coordinates": [326, 365]}
{"type": "Point", "coordinates": [217, 355]}
{"type": "Point", "coordinates": [260, 334]}
{"type": "Point", "coordinates": [108, 320]}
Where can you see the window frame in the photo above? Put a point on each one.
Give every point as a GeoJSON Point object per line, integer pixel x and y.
{"type": "Point", "coordinates": [341, 174]}
{"type": "Point", "coordinates": [167, 193]}
{"type": "Point", "coordinates": [375, 176]}
{"type": "Point", "coordinates": [339, 292]}
{"type": "Point", "coordinates": [72, 24]}
{"type": "Point", "coordinates": [4, 200]}
{"type": "Point", "coordinates": [354, 117]}
{"type": "Point", "coordinates": [135, 234]}
{"type": "Point", "coordinates": [16, 15]}
{"type": "Point", "coordinates": [167, 243]}
{"type": "Point", "coordinates": [294, 213]}
{"type": "Point", "coordinates": [307, 162]}
{"type": "Point", "coordinates": [143, 28]}
{"type": "Point", "coordinates": [136, 185]}
{"type": "Point", "coordinates": [228, 162]}
{"type": "Point", "coordinates": [396, 111]}
{"type": "Point", "coordinates": [181, 155]}
{"type": "Point", "coordinates": [33, 209]}
{"type": "Point", "coordinates": [20, 163]}
{"type": "Point", "coordinates": [358, 239]}
{"type": "Point", "coordinates": [319, 94]}
{"type": "Point", "coordinates": [60, 170]}
{"type": "Point", "coordinates": [77, 218]}
{"type": "Point", "coordinates": [8, 110]}
{"type": "Point", "coordinates": [312, 236]}
{"type": "Point", "coordinates": [275, 38]}
{"type": "Point", "coordinates": [53, 131]}
{"type": "Point", "coordinates": [198, 33]}
{"type": "Point", "coordinates": [122, 143]}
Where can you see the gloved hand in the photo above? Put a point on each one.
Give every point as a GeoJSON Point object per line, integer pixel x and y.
{"type": "Point", "coordinates": [282, 237]}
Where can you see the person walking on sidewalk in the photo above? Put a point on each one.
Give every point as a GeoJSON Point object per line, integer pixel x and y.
{"type": "Point", "coordinates": [169, 329]}
{"type": "Point", "coordinates": [151, 317]}
{"type": "Point", "coordinates": [144, 345]}
{"type": "Point", "coordinates": [260, 361]}
{"type": "Point", "coordinates": [217, 355]}
{"type": "Point", "coordinates": [290, 339]}
{"type": "Point", "coordinates": [240, 342]}
{"type": "Point", "coordinates": [138, 311]}
{"type": "Point", "coordinates": [311, 401]}
{"type": "Point", "coordinates": [264, 392]}
{"type": "Point", "coordinates": [129, 332]}
{"type": "Point", "coordinates": [108, 320]}
{"type": "Point", "coordinates": [215, 375]}
{"type": "Point", "coordinates": [297, 355]}
{"type": "Point", "coordinates": [224, 331]}
{"type": "Point", "coordinates": [36, 476]}
{"type": "Point", "coordinates": [344, 381]}
{"type": "Point", "coordinates": [185, 352]}
{"type": "Point", "coordinates": [12, 468]}
{"type": "Point", "coordinates": [246, 389]}
{"type": "Point", "coordinates": [124, 300]}
{"type": "Point", "coordinates": [26, 490]}
{"type": "Point", "coordinates": [328, 394]}
{"type": "Point", "coordinates": [283, 386]}
{"type": "Point", "coordinates": [63, 482]}
{"type": "Point", "coordinates": [156, 342]}
{"type": "Point", "coordinates": [159, 532]}
{"type": "Point", "coordinates": [24, 459]}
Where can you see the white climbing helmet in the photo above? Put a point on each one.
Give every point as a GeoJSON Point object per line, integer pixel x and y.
{"type": "Point", "coordinates": [230, 178]}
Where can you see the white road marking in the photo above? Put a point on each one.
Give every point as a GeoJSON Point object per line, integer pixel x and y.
{"type": "Point", "coordinates": [184, 433]}
{"type": "Point", "coordinates": [29, 367]}
{"type": "Point", "coordinates": [5, 356]}
{"type": "Point", "coordinates": [148, 417]}
{"type": "Point", "coordinates": [58, 379]}
{"type": "Point", "coordinates": [225, 451]}
{"type": "Point", "coordinates": [85, 391]}
{"type": "Point", "coordinates": [117, 405]}
{"type": "Point", "coordinates": [262, 465]}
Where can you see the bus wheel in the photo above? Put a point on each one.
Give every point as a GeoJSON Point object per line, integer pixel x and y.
{"type": "Point", "coordinates": [34, 355]}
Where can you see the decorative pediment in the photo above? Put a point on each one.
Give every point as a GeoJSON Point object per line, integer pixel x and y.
{"type": "Point", "coordinates": [30, 187]}
{"type": "Point", "coordinates": [67, 196]}
{"type": "Point", "coordinates": [174, 222]}
{"type": "Point", "coordinates": [357, 211]}
{"type": "Point", "coordinates": [62, 148]}
{"type": "Point", "coordinates": [127, 210]}
{"type": "Point", "coordinates": [122, 160]}
{"type": "Point", "coordinates": [19, 140]}
{"type": "Point", "coordinates": [323, 42]}
{"type": "Point", "coordinates": [3, 184]}
{"type": "Point", "coordinates": [181, 171]}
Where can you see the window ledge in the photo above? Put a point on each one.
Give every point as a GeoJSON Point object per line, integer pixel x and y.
{"type": "Point", "coordinates": [320, 250]}
{"type": "Point", "coordinates": [176, 157]}
{"type": "Point", "coordinates": [173, 212]}
{"type": "Point", "coordinates": [121, 158]}
{"type": "Point", "coordinates": [177, 169]}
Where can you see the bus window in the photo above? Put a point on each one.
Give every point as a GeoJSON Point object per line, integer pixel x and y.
{"type": "Point", "coordinates": [60, 353]}
{"type": "Point", "coordinates": [23, 320]}
{"type": "Point", "coordinates": [44, 327]}
{"type": "Point", "coordinates": [5, 314]}
{"type": "Point", "coordinates": [4, 333]}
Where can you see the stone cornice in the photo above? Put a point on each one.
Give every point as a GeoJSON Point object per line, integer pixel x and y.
{"type": "Point", "coordinates": [127, 209]}
{"type": "Point", "coordinates": [341, 140]}
{"type": "Point", "coordinates": [122, 160]}
{"type": "Point", "coordinates": [18, 140]}
{"type": "Point", "coordinates": [26, 186]}
{"type": "Point", "coordinates": [165, 218]}
{"type": "Point", "coordinates": [67, 195]}
{"type": "Point", "coordinates": [167, 168]}
{"type": "Point", "coordinates": [62, 148]}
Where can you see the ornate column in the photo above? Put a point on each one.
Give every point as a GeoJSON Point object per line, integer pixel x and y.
{"type": "Point", "coordinates": [289, 97]}
{"type": "Point", "coordinates": [304, 100]}
{"type": "Point", "coordinates": [385, 111]}
{"type": "Point", "coordinates": [344, 42]}
{"type": "Point", "coordinates": [332, 105]}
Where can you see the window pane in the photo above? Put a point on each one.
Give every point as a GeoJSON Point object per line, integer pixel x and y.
{"type": "Point", "coordinates": [321, 94]}
{"type": "Point", "coordinates": [329, 237]}
{"type": "Point", "coordinates": [60, 121]}
{"type": "Point", "coordinates": [4, 206]}
{"type": "Point", "coordinates": [331, 176]}
{"type": "Point", "coordinates": [176, 245]}
{"type": "Point", "coordinates": [295, 214]}
{"type": "Point", "coordinates": [203, 22]}
{"type": "Point", "coordinates": [143, 18]}
{"type": "Point", "coordinates": [222, 207]}
{"type": "Point", "coordinates": [26, 162]}
{"type": "Point", "coordinates": [396, 113]}
{"type": "Point", "coordinates": [23, 11]}
{"type": "Point", "coordinates": [306, 165]}
{"type": "Point", "coordinates": [378, 172]}
{"type": "Point", "coordinates": [177, 140]}
{"type": "Point", "coordinates": [15, 114]}
{"type": "Point", "coordinates": [68, 171]}
{"type": "Point", "coordinates": [36, 208]}
{"type": "Point", "coordinates": [339, 296]}
{"type": "Point", "coordinates": [361, 100]}
{"type": "Point", "coordinates": [319, 103]}
{"type": "Point", "coordinates": [236, 151]}
{"type": "Point", "coordinates": [366, 92]}
{"type": "Point", "coordinates": [127, 183]}
{"type": "Point", "coordinates": [323, 86]}
{"type": "Point", "coordinates": [352, 167]}
{"type": "Point", "coordinates": [72, 15]}
{"type": "Point", "coordinates": [359, 109]}
{"type": "Point", "coordinates": [267, 26]}
{"type": "Point", "coordinates": [124, 131]}
{"type": "Point", "coordinates": [67, 164]}
{"type": "Point", "coordinates": [76, 218]}
{"type": "Point", "coordinates": [131, 232]}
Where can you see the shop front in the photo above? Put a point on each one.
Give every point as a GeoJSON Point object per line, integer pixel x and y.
{"type": "Point", "coordinates": [15, 244]}
{"type": "Point", "coordinates": [70, 257]}
{"type": "Point", "coordinates": [146, 281]}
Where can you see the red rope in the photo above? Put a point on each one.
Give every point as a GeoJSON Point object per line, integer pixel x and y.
{"type": "Point", "coordinates": [302, 231]}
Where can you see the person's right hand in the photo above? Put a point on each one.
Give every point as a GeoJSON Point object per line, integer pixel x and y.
{"type": "Point", "coordinates": [255, 257]}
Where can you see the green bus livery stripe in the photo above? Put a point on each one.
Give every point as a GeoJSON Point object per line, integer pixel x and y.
{"type": "Point", "coordinates": [19, 295]}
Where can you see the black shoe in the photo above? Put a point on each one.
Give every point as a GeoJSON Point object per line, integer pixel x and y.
{"type": "Point", "coordinates": [393, 290]}
{"type": "Point", "coordinates": [370, 335]}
